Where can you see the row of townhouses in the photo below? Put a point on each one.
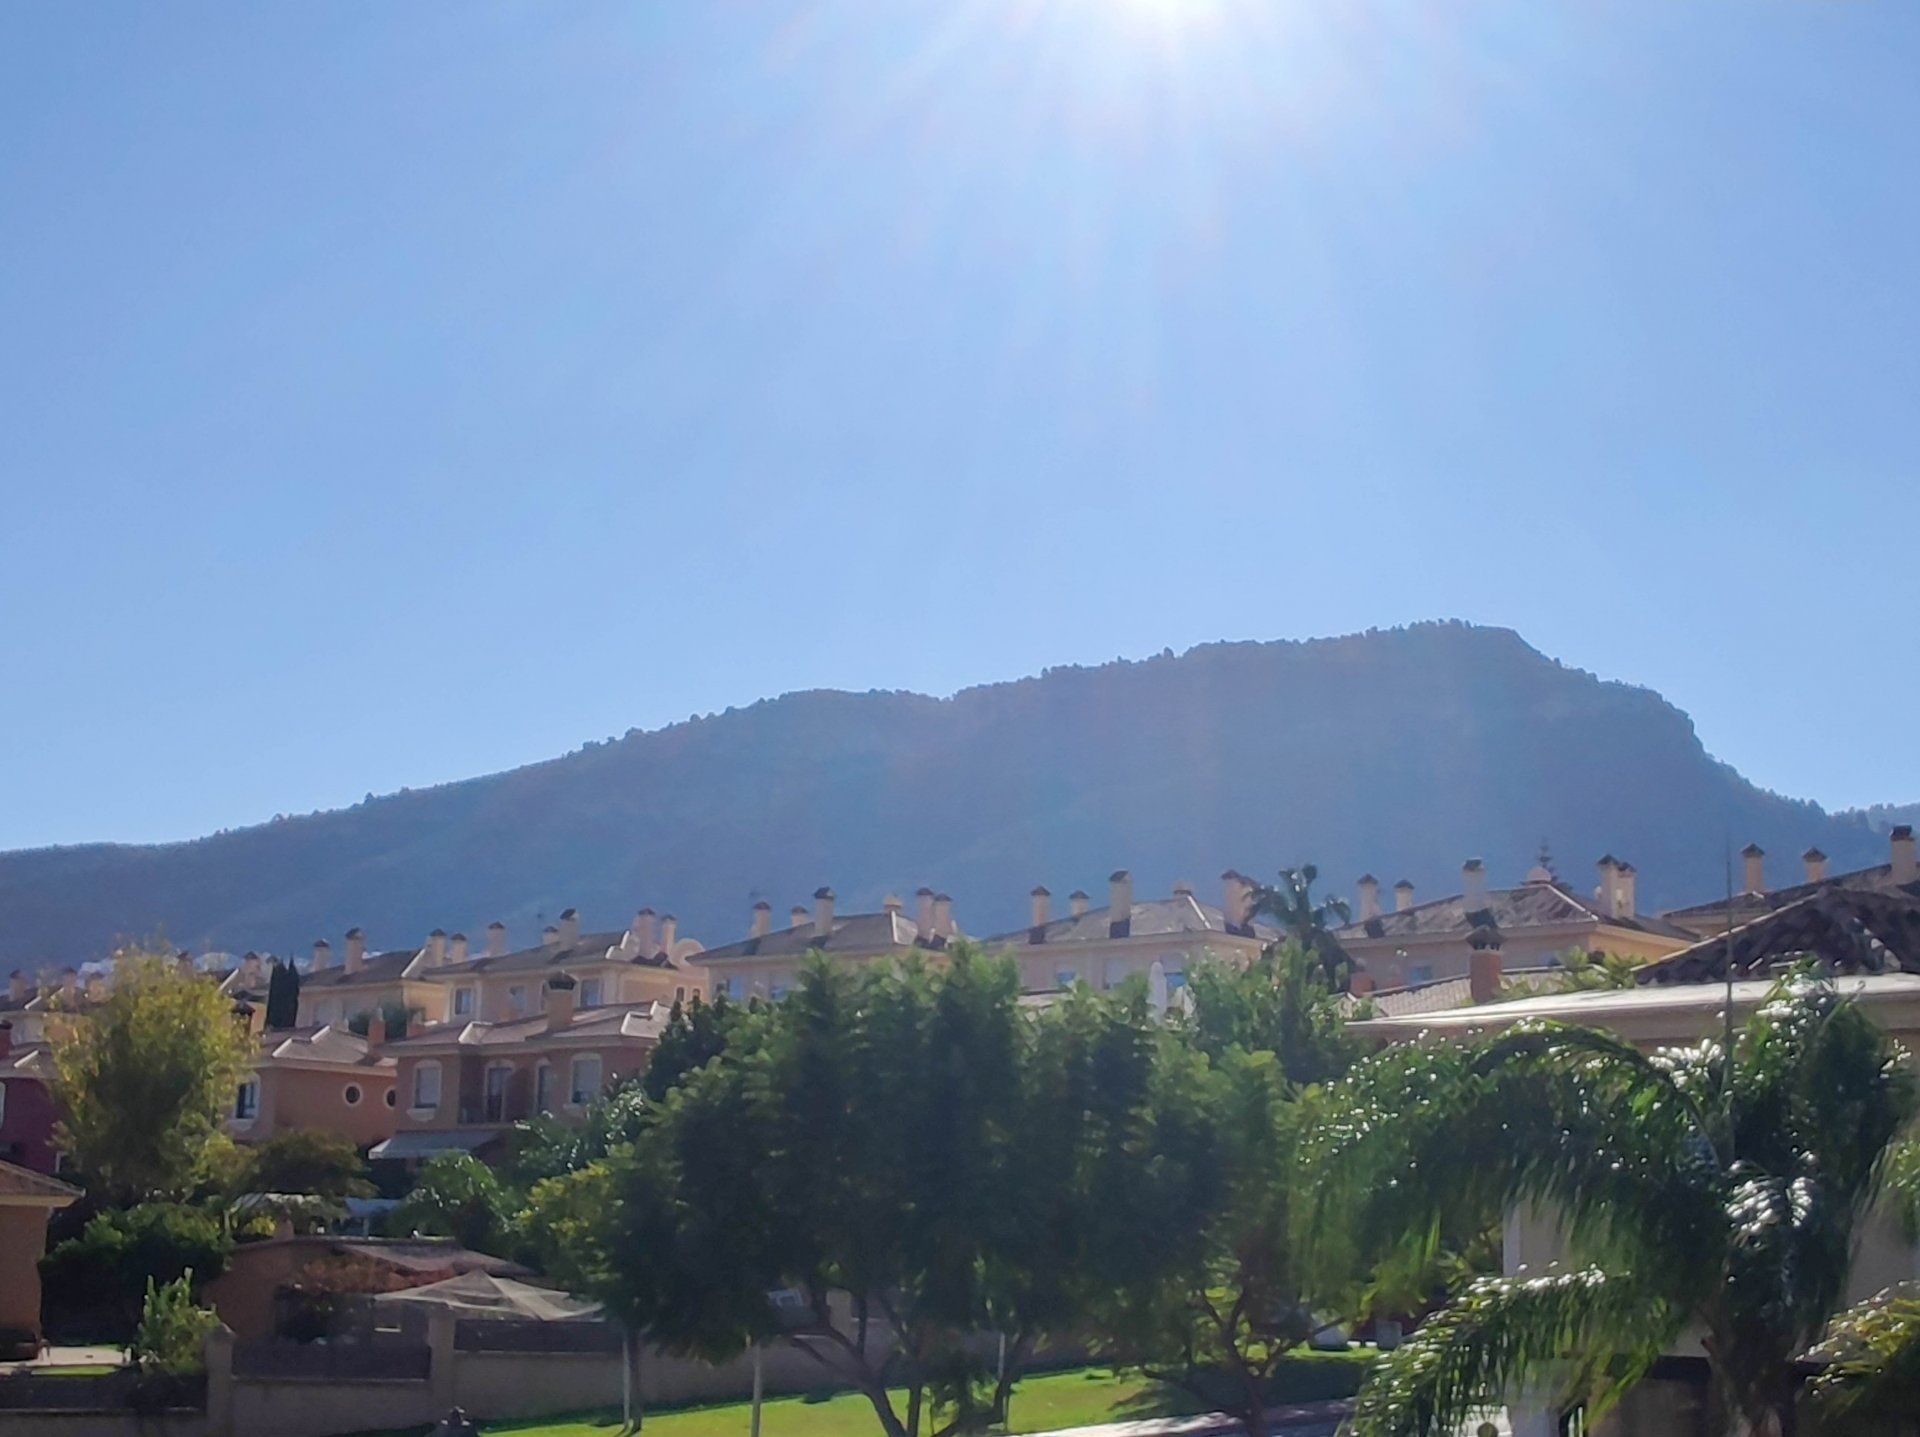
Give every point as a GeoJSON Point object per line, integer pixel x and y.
{"type": "Point", "coordinates": [420, 1050]}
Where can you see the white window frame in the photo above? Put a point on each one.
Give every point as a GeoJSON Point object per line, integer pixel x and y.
{"type": "Point", "coordinates": [351, 1095]}
{"type": "Point", "coordinates": [463, 1001]}
{"type": "Point", "coordinates": [420, 1070]}
{"type": "Point", "coordinates": [592, 993]}
{"type": "Point", "coordinates": [574, 1094]}
{"type": "Point", "coordinates": [543, 1088]}
{"type": "Point", "coordinates": [243, 1110]}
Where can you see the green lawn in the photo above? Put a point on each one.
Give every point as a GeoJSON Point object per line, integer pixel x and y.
{"type": "Point", "coordinates": [1076, 1398]}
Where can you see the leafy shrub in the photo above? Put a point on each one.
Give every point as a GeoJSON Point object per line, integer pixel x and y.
{"type": "Point", "coordinates": [96, 1283]}
{"type": "Point", "coordinates": [172, 1337]}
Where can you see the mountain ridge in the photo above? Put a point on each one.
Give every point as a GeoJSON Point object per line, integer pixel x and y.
{"type": "Point", "coordinates": [1397, 750]}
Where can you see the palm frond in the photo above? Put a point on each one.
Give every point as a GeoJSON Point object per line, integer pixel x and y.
{"type": "Point", "coordinates": [1871, 1384]}
{"type": "Point", "coordinates": [1583, 1333]}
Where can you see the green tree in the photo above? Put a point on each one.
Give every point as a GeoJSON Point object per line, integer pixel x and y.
{"type": "Point", "coordinates": [95, 1283]}
{"type": "Point", "coordinates": [283, 997]}
{"type": "Point", "coordinates": [457, 1196]}
{"type": "Point", "coordinates": [309, 1162]}
{"type": "Point", "coordinates": [1280, 1003]}
{"type": "Point", "coordinates": [171, 1340]}
{"type": "Point", "coordinates": [1699, 1190]}
{"type": "Point", "coordinates": [1290, 903]}
{"type": "Point", "coordinates": [697, 1032]}
{"type": "Point", "coordinates": [146, 1078]}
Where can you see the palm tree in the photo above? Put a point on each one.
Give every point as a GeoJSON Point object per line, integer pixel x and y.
{"type": "Point", "coordinates": [1290, 904]}
{"type": "Point", "coordinates": [1700, 1191]}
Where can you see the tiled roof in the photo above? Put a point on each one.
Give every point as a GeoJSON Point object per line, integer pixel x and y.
{"type": "Point", "coordinates": [380, 968]}
{"type": "Point", "coordinates": [616, 1021]}
{"type": "Point", "coordinates": [326, 1043]}
{"type": "Point", "coordinates": [28, 1062]}
{"type": "Point", "coordinates": [611, 947]}
{"type": "Point", "coordinates": [864, 933]}
{"type": "Point", "coordinates": [1531, 905]}
{"type": "Point", "coordinates": [1158, 917]}
{"type": "Point", "coordinates": [1752, 905]}
{"type": "Point", "coordinates": [23, 1185]}
{"type": "Point", "coordinates": [1847, 930]}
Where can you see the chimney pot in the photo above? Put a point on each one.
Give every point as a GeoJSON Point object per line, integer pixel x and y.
{"type": "Point", "coordinates": [20, 986]}
{"type": "Point", "coordinates": [496, 939]}
{"type": "Point", "coordinates": [1369, 888]}
{"type": "Point", "coordinates": [942, 915]}
{"type": "Point", "coordinates": [1236, 900]}
{"type": "Point", "coordinates": [1608, 889]}
{"type": "Point", "coordinates": [570, 925]}
{"type": "Point", "coordinates": [1901, 857]}
{"type": "Point", "coordinates": [549, 936]}
{"type": "Point", "coordinates": [1120, 903]}
{"type": "Point", "coordinates": [823, 913]}
{"type": "Point", "coordinates": [1483, 966]}
{"type": "Point", "coordinates": [1473, 884]}
{"type": "Point", "coordinates": [560, 1000]}
{"type": "Point", "coordinates": [457, 948]}
{"type": "Point", "coordinates": [1625, 903]}
{"type": "Point", "coordinates": [669, 933]}
{"type": "Point", "coordinates": [356, 949]}
{"type": "Point", "coordinates": [1756, 860]}
{"type": "Point", "coordinates": [1816, 862]}
{"type": "Point", "coordinates": [762, 919]}
{"type": "Point", "coordinates": [1042, 909]}
{"type": "Point", "coordinates": [436, 947]}
{"type": "Point", "coordinates": [1077, 902]}
{"type": "Point", "coordinates": [799, 916]}
{"type": "Point", "coordinates": [1402, 896]}
{"type": "Point", "coordinates": [923, 916]}
{"type": "Point", "coordinates": [322, 955]}
{"type": "Point", "coordinates": [645, 931]}
{"type": "Point", "coordinates": [376, 1029]}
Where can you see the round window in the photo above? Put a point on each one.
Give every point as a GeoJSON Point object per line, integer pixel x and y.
{"type": "Point", "coordinates": [393, 1098]}
{"type": "Point", "coordinates": [353, 1095]}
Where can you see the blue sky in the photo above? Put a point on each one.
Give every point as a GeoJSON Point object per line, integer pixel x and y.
{"type": "Point", "coordinates": [400, 392]}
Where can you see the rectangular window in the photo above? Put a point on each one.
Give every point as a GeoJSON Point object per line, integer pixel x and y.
{"type": "Point", "coordinates": [778, 990]}
{"type": "Point", "coordinates": [246, 1101]}
{"type": "Point", "coordinates": [723, 987]}
{"type": "Point", "coordinates": [590, 993]}
{"type": "Point", "coordinates": [586, 1079]}
{"type": "Point", "coordinates": [517, 1000]}
{"type": "Point", "coordinates": [1419, 973]}
{"type": "Point", "coordinates": [426, 1086]}
{"type": "Point", "coordinates": [463, 1002]}
{"type": "Point", "coordinates": [543, 1088]}
{"type": "Point", "coordinates": [497, 1094]}
{"type": "Point", "coordinates": [1065, 978]}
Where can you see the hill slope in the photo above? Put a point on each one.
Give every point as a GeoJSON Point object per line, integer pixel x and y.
{"type": "Point", "coordinates": [1401, 752]}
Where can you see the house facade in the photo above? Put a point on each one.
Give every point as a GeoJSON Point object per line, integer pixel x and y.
{"type": "Point", "coordinates": [767, 962]}
{"type": "Point", "coordinates": [648, 961]}
{"type": "Point", "coordinates": [27, 1113]}
{"type": "Point", "coordinates": [351, 990]}
{"type": "Point", "coordinates": [1900, 873]}
{"type": "Point", "coordinates": [326, 1078]}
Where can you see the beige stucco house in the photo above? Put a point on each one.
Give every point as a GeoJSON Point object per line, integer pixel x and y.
{"type": "Point", "coordinates": [1533, 923]}
{"type": "Point", "coordinates": [1901, 873]}
{"type": "Point", "coordinates": [27, 1200]}
{"type": "Point", "coordinates": [325, 1078]}
{"type": "Point", "coordinates": [1159, 939]}
{"type": "Point", "coordinates": [647, 961]}
{"type": "Point", "coordinates": [360, 984]}
{"type": "Point", "coordinates": [766, 963]}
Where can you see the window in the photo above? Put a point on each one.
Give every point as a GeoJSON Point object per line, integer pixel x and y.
{"type": "Point", "coordinates": [778, 990]}
{"type": "Point", "coordinates": [1419, 973]}
{"type": "Point", "coordinates": [3, 1105]}
{"type": "Point", "coordinates": [543, 1088]}
{"type": "Point", "coordinates": [352, 1094]}
{"type": "Point", "coordinates": [517, 1000]}
{"type": "Point", "coordinates": [426, 1086]}
{"type": "Point", "coordinates": [393, 1098]}
{"type": "Point", "coordinates": [590, 993]}
{"type": "Point", "coordinates": [1065, 978]}
{"type": "Point", "coordinates": [723, 987]}
{"type": "Point", "coordinates": [679, 995]}
{"type": "Point", "coordinates": [1176, 981]}
{"type": "Point", "coordinates": [497, 1075]}
{"type": "Point", "coordinates": [246, 1101]}
{"type": "Point", "coordinates": [586, 1079]}
{"type": "Point", "coordinates": [463, 1002]}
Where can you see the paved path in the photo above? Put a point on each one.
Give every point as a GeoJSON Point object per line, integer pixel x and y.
{"type": "Point", "coordinates": [71, 1357]}
{"type": "Point", "coordinates": [1312, 1419]}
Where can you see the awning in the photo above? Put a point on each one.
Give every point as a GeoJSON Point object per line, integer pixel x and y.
{"type": "Point", "coordinates": [427, 1145]}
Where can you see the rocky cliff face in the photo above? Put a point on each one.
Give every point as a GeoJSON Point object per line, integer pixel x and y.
{"type": "Point", "coordinates": [1398, 752]}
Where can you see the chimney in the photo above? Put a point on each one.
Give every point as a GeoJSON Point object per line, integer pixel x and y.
{"type": "Point", "coordinates": [19, 986]}
{"type": "Point", "coordinates": [1235, 892]}
{"type": "Point", "coordinates": [496, 938]}
{"type": "Point", "coordinates": [1608, 886]}
{"type": "Point", "coordinates": [942, 915]}
{"type": "Point", "coordinates": [1625, 905]}
{"type": "Point", "coordinates": [1119, 903]}
{"type": "Point", "coordinates": [96, 988]}
{"type": "Point", "coordinates": [1077, 902]}
{"type": "Point", "coordinates": [356, 949]}
{"type": "Point", "coordinates": [457, 948]}
{"type": "Point", "coordinates": [376, 1028]}
{"type": "Point", "coordinates": [322, 955]}
{"type": "Point", "coordinates": [762, 919]}
{"type": "Point", "coordinates": [1473, 885]}
{"type": "Point", "coordinates": [799, 917]}
{"type": "Point", "coordinates": [1816, 862]}
{"type": "Point", "coordinates": [646, 932]}
{"type": "Point", "coordinates": [1369, 887]}
{"type": "Point", "coordinates": [1402, 896]}
{"type": "Point", "coordinates": [1901, 856]}
{"type": "Point", "coordinates": [560, 996]}
{"type": "Point", "coordinates": [570, 926]}
{"type": "Point", "coordinates": [823, 913]}
{"type": "Point", "coordinates": [436, 947]}
{"type": "Point", "coordinates": [669, 933]}
{"type": "Point", "coordinates": [549, 936]}
{"type": "Point", "coordinates": [1756, 857]}
{"type": "Point", "coordinates": [1041, 911]}
{"type": "Point", "coordinates": [69, 987]}
{"type": "Point", "coordinates": [250, 971]}
{"type": "Point", "coordinates": [1483, 970]}
{"type": "Point", "coordinates": [1361, 985]}
{"type": "Point", "coordinates": [183, 964]}
{"type": "Point", "coordinates": [923, 916]}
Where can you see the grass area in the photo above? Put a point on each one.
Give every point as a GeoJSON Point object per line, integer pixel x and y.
{"type": "Point", "coordinates": [93, 1369]}
{"type": "Point", "coordinates": [1076, 1398]}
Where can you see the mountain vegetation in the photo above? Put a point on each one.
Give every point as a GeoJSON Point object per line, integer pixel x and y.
{"type": "Point", "coordinates": [1400, 752]}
